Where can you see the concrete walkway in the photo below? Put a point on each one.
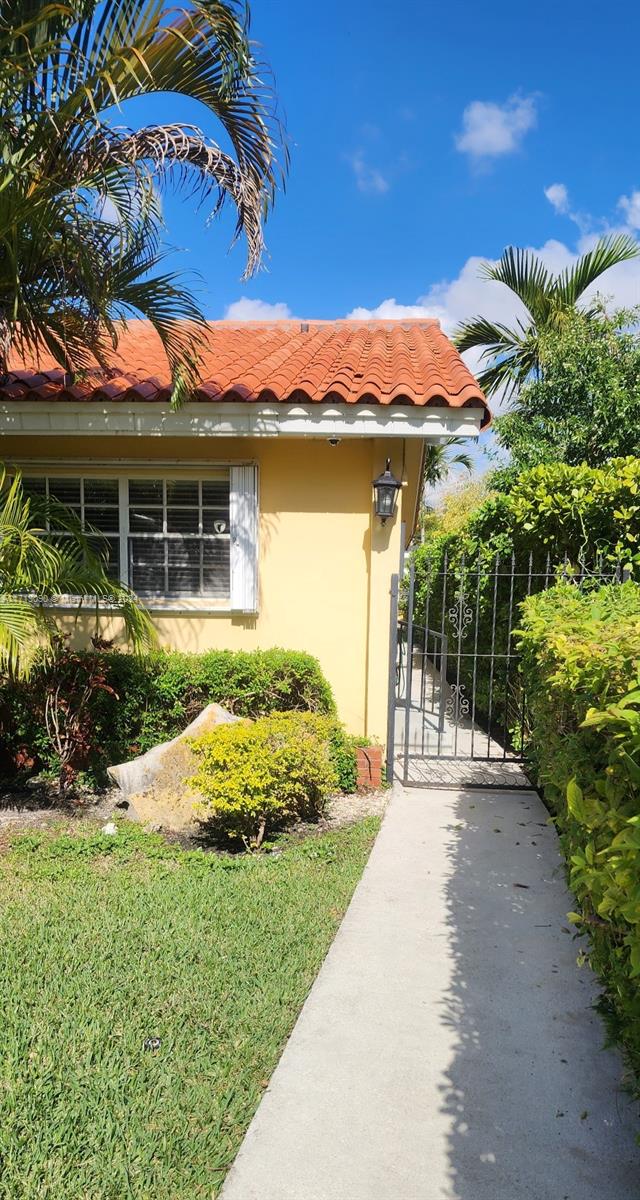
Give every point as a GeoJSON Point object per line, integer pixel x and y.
{"type": "Point", "coordinates": [448, 1049]}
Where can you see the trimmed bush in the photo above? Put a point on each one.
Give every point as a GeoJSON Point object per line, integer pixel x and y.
{"type": "Point", "coordinates": [581, 663]}
{"type": "Point", "coordinates": [257, 777]}
{"type": "Point", "coordinates": [148, 699]}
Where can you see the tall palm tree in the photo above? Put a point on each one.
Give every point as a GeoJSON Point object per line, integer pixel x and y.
{"type": "Point", "coordinates": [80, 221]}
{"type": "Point", "coordinates": [512, 353]}
{"type": "Point", "coordinates": [37, 566]}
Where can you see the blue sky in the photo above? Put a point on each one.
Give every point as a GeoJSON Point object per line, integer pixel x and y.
{"type": "Point", "coordinates": [424, 139]}
{"type": "Point", "coordinates": [424, 136]}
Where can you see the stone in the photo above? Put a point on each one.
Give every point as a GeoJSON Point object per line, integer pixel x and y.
{"type": "Point", "coordinates": [156, 783]}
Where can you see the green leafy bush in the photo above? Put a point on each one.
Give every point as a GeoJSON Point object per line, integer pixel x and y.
{"type": "Point", "coordinates": [151, 698]}
{"type": "Point", "coordinates": [581, 664]}
{"type": "Point", "coordinates": [258, 777]}
{"type": "Point", "coordinates": [583, 404]}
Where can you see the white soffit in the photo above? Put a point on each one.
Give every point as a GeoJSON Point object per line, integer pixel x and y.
{"type": "Point", "coordinates": [66, 418]}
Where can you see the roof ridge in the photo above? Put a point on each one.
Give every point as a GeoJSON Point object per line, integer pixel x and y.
{"type": "Point", "coordinates": [348, 322]}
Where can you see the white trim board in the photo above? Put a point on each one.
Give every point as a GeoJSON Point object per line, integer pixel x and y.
{"type": "Point", "coordinates": [105, 418]}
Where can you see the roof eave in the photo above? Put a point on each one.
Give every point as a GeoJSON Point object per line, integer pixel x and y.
{"type": "Point", "coordinates": [144, 419]}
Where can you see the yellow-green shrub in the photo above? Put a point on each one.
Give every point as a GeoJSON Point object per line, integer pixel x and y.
{"type": "Point", "coordinates": [581, 665]}
{"type": "Point", "coordinates": [257, 777]}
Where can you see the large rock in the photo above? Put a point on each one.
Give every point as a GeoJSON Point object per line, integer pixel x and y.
{"type": "Point", "coordinates": [155, 784]}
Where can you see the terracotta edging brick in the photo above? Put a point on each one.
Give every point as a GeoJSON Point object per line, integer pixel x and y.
{"type": "Point", "coordinates": [369, 762]}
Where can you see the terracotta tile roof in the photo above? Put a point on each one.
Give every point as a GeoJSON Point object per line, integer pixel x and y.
{"type": "Point", "coordinates": [350, 362]}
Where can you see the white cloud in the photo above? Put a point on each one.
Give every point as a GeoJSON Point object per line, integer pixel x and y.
{"type": "Point", "coordinates": [246, 309]}
{"type": "Point", "coordinates": [490, 130]}
{"type": "Point", "coordinates": [390, 310]}
{"type": "Point", "coordinates": [630, 206]}
{"type": "Point", "coordinates": [368, 178]}
{"type": "Point", "coordinates": [558, 197]}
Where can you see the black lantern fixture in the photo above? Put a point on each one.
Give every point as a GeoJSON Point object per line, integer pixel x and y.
{"type": "Point", "coordinates": [386, 488]}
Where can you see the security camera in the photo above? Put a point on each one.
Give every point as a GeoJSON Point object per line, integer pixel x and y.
{"type": "Point", "coordinates": [333, 441]}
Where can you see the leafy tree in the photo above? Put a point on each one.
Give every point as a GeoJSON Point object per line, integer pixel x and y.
{"type": "Point", "coordinates": [80, 221]}
{"type": "Point", "coordinates": [455, 507]}
{"type": "Point", "coordinates": [513, 354]}
{"type": "Point", "coordinates": [36, 566]}
{"type": "Point", "coordinates": [584, 403]}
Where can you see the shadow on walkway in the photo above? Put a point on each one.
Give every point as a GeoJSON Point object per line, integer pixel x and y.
{"type": "Point", "coordinates": [537, 1106]}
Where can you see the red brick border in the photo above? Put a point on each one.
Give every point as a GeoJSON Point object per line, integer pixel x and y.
{"type": "Point", "coordinates": [369, 759]}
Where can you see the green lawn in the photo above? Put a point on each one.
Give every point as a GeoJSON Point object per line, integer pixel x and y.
{"type": "Point", "coordinates": [105, 942]}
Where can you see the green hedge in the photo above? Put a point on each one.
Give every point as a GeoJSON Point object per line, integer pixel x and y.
{"type": "Point", "coordinates": [136, 702]}
{"type": "Point", "coordinates": [581, 664]}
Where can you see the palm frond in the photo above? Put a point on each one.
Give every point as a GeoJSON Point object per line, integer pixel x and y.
{"type": "Point", "coordinates": [495, 338]}
{"type": "Point", "coordinates": [511, 353]}
{"type": "Point", "coordinates": [37, 566]}
{"type": "Point", "coordinates": [608, 252]}
{"type": "Point", "coordinates": [524, 273]}
{"type": "Point", "coordinates": [64, 65]}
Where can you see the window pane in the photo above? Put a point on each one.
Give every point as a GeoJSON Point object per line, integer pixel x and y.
{"type": "Point", "coordinates": [65, 491]}
{"type": "Point", "coordinates": [145, 491]}
{"type": "Point", "coordinates": [108, 549]}
{"type": "Point", "coordinates": [101, 491]}
{"type": "Point", "coordinates": [184, 568]}
{"type": "Point", "coordinates": [147, 520]}
{"type": "Point", "coordinates": [182, 491]}
{"type": "Point", "coordinates": [215, 492]}
{"type": "Point", "coordinates": [182, 520]}
{"type": "Point", "coordinates": [104, 519]}
{"type": "Point", "coordinates": [34, 487]}
{"type": "Point", "coordinates": [216, 567]}
{"type": "Point", "coordinates": [146, 566]}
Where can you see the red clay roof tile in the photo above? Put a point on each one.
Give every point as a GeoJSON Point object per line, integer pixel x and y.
{"type": "Point", "coordinates": [377, 362]}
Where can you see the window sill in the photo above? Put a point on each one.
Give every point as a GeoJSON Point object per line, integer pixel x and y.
{"type": "Point", "coordinates": [157, 607]}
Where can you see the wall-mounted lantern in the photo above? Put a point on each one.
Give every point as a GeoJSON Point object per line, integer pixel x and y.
{"type": "Point", "coordinates": [386, 488]}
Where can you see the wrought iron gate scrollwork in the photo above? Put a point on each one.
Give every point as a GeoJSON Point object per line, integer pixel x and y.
{"type": "Point", "coordinates": [457, 704]}
{"type": "Point", "coordinates": [460, 616]}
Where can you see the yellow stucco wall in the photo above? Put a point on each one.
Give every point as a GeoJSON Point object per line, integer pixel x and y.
{"type": "Point", "coordinates": [325, 560]}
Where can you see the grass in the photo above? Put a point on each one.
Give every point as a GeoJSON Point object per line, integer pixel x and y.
{"type": "Point", "coordinates": [107, 942]}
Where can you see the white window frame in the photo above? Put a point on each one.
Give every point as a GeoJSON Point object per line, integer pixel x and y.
{"type": "Point", "coordinates": [243, 520]}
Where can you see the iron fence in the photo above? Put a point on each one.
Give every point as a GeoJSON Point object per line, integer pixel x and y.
{"type": "Point", "coordinates": [458, 706]}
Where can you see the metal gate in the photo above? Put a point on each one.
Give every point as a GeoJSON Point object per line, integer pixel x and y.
{"type": "Point", "coordinates": [457, 704]}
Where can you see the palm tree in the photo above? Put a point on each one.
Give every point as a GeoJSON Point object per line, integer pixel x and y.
{"type": "Point", "coordinates": [37, 566]}
{"type": "Point", "coordinates": [513, 353]}
{"type": "Point", "coordinates": [80, 221]}
{"type": "Point", "coordinates": [438, 460]}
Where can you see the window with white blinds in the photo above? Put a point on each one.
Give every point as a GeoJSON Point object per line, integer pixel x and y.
{"type": "Point", "coordinates": [170, 538]}
{"type": "Point", "coordinates": [96, 504]}
{"type": "Point", "coordinates": [178, 541]}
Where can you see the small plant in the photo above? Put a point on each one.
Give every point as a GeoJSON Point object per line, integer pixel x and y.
{"type": "Point", "coordinates": [71, 684]}
{"type": "Point", "coordinates": [342, 747]}
{"type": "Point", "coordinates": [255, 778]}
